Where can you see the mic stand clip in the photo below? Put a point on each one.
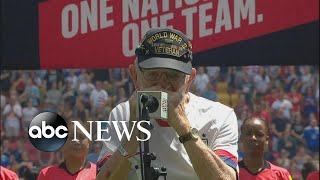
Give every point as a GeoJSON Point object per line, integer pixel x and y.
{"type": "Point", "coordinates": [148, 172]}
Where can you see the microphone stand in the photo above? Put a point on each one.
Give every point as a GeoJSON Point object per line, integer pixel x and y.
{"type": "Point", "coordinates": [148, 172]}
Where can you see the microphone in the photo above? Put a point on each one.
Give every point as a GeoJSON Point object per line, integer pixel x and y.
{"type": "Point", "coordinates": [150, 102]}
{"type": "Point", "coordinates": [156, 102]}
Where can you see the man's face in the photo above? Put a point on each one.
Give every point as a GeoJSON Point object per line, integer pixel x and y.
{"type": "Point", "coordinates": [254, 137]}
{"type": "Point", "coordinates": [165, 79]}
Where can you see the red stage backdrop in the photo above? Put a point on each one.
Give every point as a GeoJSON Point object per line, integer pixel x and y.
{"type": "Point", "coordinates": [105, 33]}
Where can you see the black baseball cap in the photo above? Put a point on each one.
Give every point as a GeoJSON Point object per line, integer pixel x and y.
{"type": "Point", "coordinates": [165, 48]}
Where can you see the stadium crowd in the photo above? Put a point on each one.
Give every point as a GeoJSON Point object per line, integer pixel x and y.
{"type": "Point", "coordinates": [286, 96]}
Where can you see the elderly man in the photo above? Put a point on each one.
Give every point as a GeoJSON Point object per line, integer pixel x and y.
{"type": "Point", "coordinates": [164, 64]}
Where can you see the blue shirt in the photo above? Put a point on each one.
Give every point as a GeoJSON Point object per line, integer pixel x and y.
{"type": "Point", "coordinates": [312, 137]}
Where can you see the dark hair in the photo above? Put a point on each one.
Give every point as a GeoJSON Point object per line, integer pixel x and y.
{"type": "Point", "coordinates": [259, 118]}
{"type": "Point", "coordinates": [308, 167]}
{"type": "Point", "coordinates": [31, 173]}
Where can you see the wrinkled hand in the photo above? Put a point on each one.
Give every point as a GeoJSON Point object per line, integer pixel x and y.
{"type": "Point", "coordinates": [177, 101]}
{"type": "Point", "coordinates": [177, 117]}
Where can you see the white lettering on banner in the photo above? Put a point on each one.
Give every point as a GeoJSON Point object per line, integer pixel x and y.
{"type": "Point", "coordinates": [87, 14]}
{"type": "Point", "coordinates": [223, 16]}
{"type": "Point", "coordinates": [178, 4]}
{"type": "Point", "coordinates": [165, 5]}
{"type": "Point", "coordinates": [90, 14]}
{"type": "Point", "coordinates": [145, 25]}
{"type": "Point", "coordinates": [203, 19]}
{"type": "Point", "coordinates": [149, 5]}
{"type": "Point", "coordinates": [229, 14]}
{"type": "Point", "coordinates": [130, 7]}
{"type": "Point", "coordinates": [245, 10]}
{"type": "Point", "coordinates": [104, 11]}
{"type": "Point", "coordinates": [188, 13]}
{"type": "Point", "coordinates": [135, 31]}
{"type": "Point", "coordinates": [131, 12]}
{"type": "Point", "coordinates": [191, 2]}
{"type": "Point", "coordinates": [164, 20]}
{"type": "Point", "coordinates": [140, 15]}
{"type": "Point", "coordinates": [73, 10]}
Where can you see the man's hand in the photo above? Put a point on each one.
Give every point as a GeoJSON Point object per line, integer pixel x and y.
{"type": "Point", "coordinates": [177, 114]}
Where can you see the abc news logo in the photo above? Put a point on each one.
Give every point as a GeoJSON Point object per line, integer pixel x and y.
{"type": "Point", "coordinates": [48, 131]}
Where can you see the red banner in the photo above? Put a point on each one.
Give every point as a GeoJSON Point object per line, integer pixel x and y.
{"type": "Point", "coordinates": [104, 33]}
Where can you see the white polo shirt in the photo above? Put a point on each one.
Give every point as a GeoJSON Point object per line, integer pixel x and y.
{"type": "Point", "coordinates": [217, 121]}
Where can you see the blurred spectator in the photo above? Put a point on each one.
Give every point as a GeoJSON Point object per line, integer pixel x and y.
{"type": "Point", "coordinates": [296, 99]}
{"type": "Point", "coordinates": [261, 109]}
{"type": "Point", "coordinates": [13, 106]}
{"type": "Point", "coordinates": [311, 135]}
{"type": "Point", "coordinates": [14, 165]}
{"type": "Point", "coordinates": [298, 128]}
{"type": "Point", "coordinates": [69, 94]}
{"type": "Point", "coordinates": [301, 158]}
{"type": "Point", "coordinates": [98, 97]}
{"type": "Point", "coordinates": [272, 96]}
{"type": "Point", "coordinates": [261, 80]}
{"type": "Point", "coordinates": [309, 105]}
{"type": "Point", "coordinates": [284, 160]}
{"type": "Point", "coordinates": [5, 152]}
{"type": "Point", "coordinates": [31, 91]}
{"type": "Point", "coordinates": [274, 73]}
{"type": "Point", "coordinates": [72, 79]}
{"type": "Point", "coordinates": [28, 113]}
{"type": "Point", "coordinates": [291, 79]}
{"type": "Point", "coordinates": [4, 81]}
{"type": "Point", "coordinates": [283, 104]}
{"type": "Point", "coordinates": [201, 80]}
{"type": "Point", "coordinates": [121, 96]}
{"type": "Point", "coordinates": [288, 143]}
{"type": "Point", "coordinates": [247, 88]}
{"type": "Point", "coordinates": [12, 125]}
{"type": "Point", "coordinates": [54, 97]}
{"type": "Point", "coordinates": [31, 173]}
{"type": "Point", "coordinates": [306, 78]}
{"type": "Point", "coordinates": [67, 112]}
{"type": "Point", "coordinates": [115, 74]}
{"type": "Point", "coordinates": [213, 73]}
{"type": "Point", "coordinates": [3, 101]}
{"type": "Point", "coordinates": [86, 86]}
{"type": "Point", "coordinates": [210, 92]}
{"type": "Point", "coordinates": [279, 125]}
{"type": "Point", "coordinates": [242, 107]}
{"type": "Point", "coordinates": [81, 112]}
{"type": "Point", "coordinates": [295, 172]}
{"type": "Point", "coordinates": [45, 158]}
{"type": "Point", "coordinates": [25, 164]}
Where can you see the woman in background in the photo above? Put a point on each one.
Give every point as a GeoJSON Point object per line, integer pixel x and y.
{"type": "Point", "coordinates": [255, 137]}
